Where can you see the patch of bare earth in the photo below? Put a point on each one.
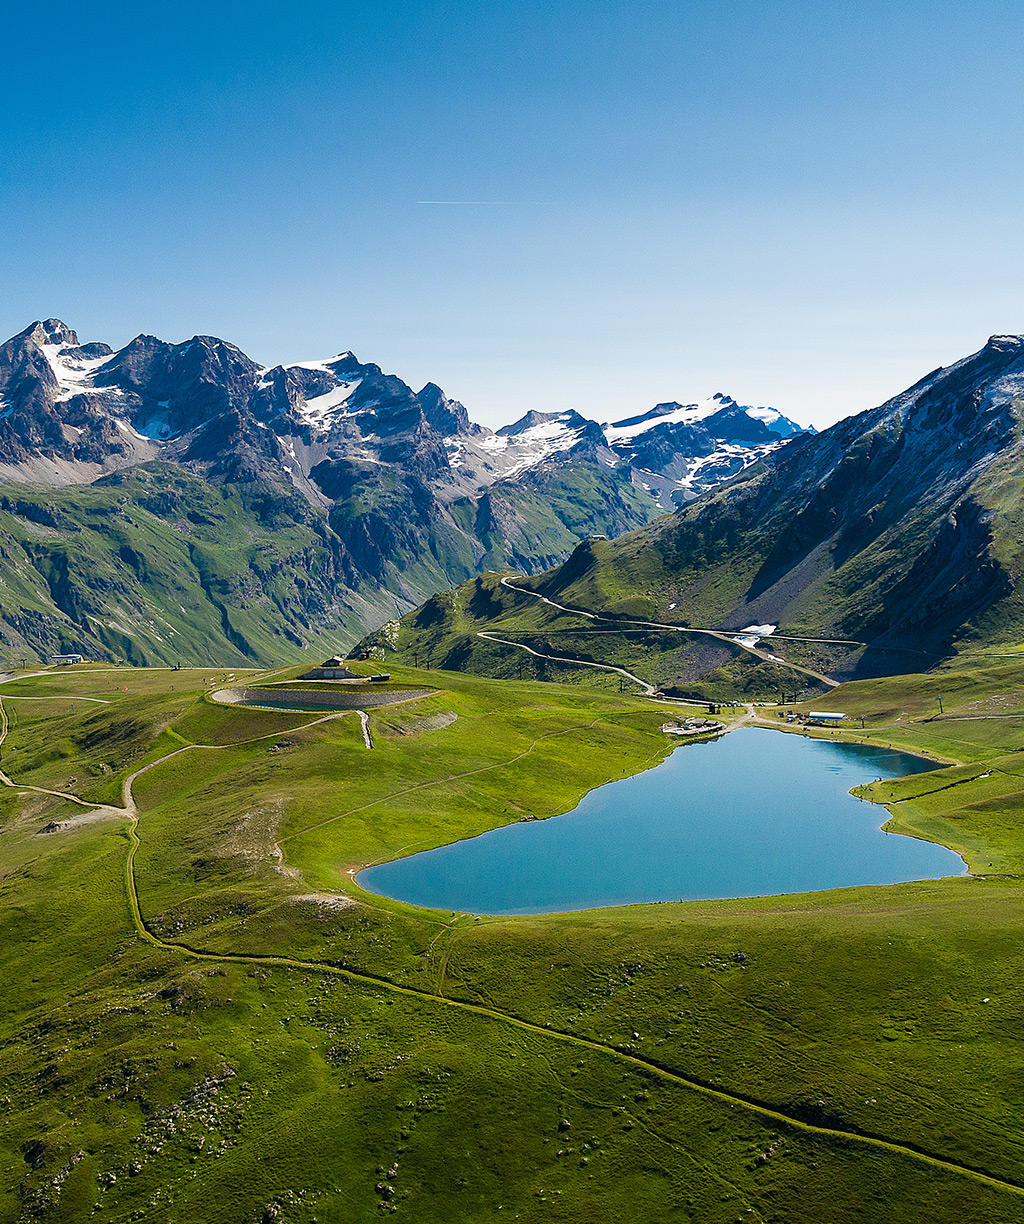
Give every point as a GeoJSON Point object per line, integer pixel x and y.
{"type": "Point", "coordinates": [324, 900]}
{"type": "Point", "coordinates": [86, 818]}
{"type": "Point", "coordinates": [414, 724]}
{"type": "Point", "coordinates": [436, 722]}
{"type": "Point", "coordinates": [254, 839]}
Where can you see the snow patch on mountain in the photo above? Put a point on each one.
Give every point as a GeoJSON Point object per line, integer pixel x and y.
{"type": "Point", "coordinates": [727, 455]}
{"type": "Point", "coordinates": [156, 427]}
{"type": "Point", "coordinates": [664, 414]}
{"type": "Point", "coordinates": [73, 374]}
{"type": "Point", "coordinates": [752, 634]}
{"type": "Point", "coordinates": [525, 444]}
{"type": "Point", "coordinates": [320, 408]}
{"type": "Point", "coordinates": [325, 364]}
{"type": "Point", "coordinates": [455, 449]}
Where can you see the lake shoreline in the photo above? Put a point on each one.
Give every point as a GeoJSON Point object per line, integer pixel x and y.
{"type": "Point", "coordinates": [805, 835]}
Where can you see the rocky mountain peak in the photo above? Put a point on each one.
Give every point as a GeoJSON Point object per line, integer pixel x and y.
{"type": "Point", "coordinates": [447, 416]}
{"type": "Point", "coordinates": [65, 402]}
{"type": "Point", "coordinates": [960, 403]}
{"type": "Point", "coordinates": [570, 419]}
{"type": "Point", "coordinates": [51, 331]}
{"type": "Point", "coordinates": [1005, 344]}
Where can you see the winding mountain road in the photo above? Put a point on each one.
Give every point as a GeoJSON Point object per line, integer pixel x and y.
{"type": "Point", "coordinates": [648, 689]}
{"type": "Point", "coordinates": [721, 635]}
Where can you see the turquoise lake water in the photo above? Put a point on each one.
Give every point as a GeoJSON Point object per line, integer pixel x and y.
{"type": "Point", "coordinates": [755, 813]}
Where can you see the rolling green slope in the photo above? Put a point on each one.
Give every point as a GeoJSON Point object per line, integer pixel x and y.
{"type": "Point", "coordinates": [539, 518]}
{"type": "Point", "coordinates": [157, 566]}
{"type": "Point", "coordinates": [494, 626]}
{"type": "Point", "coordinates": [204, 1018]}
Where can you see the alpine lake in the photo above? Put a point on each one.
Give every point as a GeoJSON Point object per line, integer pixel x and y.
{"type": "Point", "coordinates": [756, 812]}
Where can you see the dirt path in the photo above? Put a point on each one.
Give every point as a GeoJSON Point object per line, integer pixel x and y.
{"type": "Point", "coordinates": [7, 677]}
{"type": "Point", "coordinates": [648, 689]}
{"type": "Point", "coordinates": [56, 697]}
{"type": "Point", "coordinates": [732, 640]}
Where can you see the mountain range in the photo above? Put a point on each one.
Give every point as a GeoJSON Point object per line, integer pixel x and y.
{"type": "Point", "coordinates": [180, 502]}
{"type": "Point", "coordinates": [886, 542]}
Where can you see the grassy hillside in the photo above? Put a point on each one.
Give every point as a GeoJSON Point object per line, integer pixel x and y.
{"type": "Point", "coordinates": [157, 566]}
{"type": "Point", "coordinates": [275, 1044]}
{"type": "Point", "coordinates": [486, 628]}
{"type": "Point", "coordinates": [887, 542]}
{"type": "Point", "coordinates": [534, 521]}
{"type": "Point", "coordinates": [890, 537]}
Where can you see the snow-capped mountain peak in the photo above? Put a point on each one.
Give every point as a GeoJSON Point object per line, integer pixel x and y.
{"type": "Point", "coordinates": [534, 438]}
{"type": "Point", "coordinates": [62, 402]}
{"type": "Point", "coordinates": [52, 332]}
{"type": "Point", "coordinates": [776, 422]}
{"type": "Point", "coordinates": [544, 424]}
{"type": "Point", "coordinates": [693, 413]}
{"type": "Point", "coordinates": [678, 450]}
{"type": "Point", "coordinates": [323, 363]}
{"type": "Point", "coordinates": [666, 414]}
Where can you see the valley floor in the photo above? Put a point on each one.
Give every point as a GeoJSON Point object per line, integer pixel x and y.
{"type": "Point", "coordinates": [204, 1018]}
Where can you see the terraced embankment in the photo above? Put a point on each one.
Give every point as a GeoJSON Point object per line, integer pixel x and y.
{"type": "Point", "coordinates": [315, 699]}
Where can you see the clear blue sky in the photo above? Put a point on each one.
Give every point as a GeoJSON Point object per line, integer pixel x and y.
{"type": "Point", "coordinates": [803, 204]}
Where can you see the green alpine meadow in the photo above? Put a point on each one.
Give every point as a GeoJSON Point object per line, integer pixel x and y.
{"type": "Point", "coordinates": [205, 1017]}
{"type": "Point", "coordinates": [512, 612]}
